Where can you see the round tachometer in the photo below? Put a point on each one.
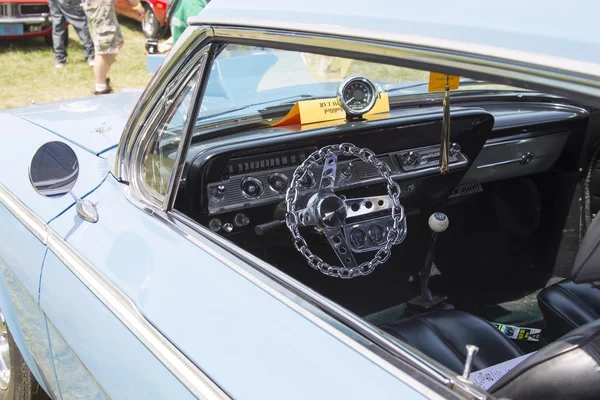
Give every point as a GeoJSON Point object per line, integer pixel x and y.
{"type": "Point", "coordinates": [357, 95]}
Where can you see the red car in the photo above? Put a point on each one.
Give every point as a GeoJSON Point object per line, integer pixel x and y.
{"type": "Point", "coordinates": [154, 22]}
{"type": "Point", "coordinates": [25, 18]}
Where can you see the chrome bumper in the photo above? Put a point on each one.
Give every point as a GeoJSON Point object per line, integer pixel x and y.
{"type": "Point", "coordinates": [40, 19]}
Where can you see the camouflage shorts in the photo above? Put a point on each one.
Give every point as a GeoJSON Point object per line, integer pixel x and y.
{"type": "Point", "coordinates": [105, 28]}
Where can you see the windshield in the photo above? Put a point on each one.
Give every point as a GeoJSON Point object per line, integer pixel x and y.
{"type": "Point", "coordinates": [246, 79]}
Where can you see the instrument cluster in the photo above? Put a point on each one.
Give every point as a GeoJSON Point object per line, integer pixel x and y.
{"type": "Point", "coordinates": [261, 184]}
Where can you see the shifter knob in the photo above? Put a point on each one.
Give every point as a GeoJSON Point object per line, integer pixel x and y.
{"type": "Point", "coordinates": [438, 222]}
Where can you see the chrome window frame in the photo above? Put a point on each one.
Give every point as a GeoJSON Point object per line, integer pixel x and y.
{"type": "Point", "coordinates": [163, 110]}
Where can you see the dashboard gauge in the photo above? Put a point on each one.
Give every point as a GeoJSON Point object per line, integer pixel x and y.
{"type": "Point", "coordinates": [251, 187]}
{"type": "Point", "coordinates": [308, 180]}
{"type": "Point", "coordinates": [358, 237]}
{"type": "Point", "coordinates": [357, 95]}
{"type": "Point", "coordinates": [376, 233]}
{"type": "Point", "coordinates": [278, 182]}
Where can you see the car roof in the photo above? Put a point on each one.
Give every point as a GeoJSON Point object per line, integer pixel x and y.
{"type": "Point", "coordinates": [550, 33]}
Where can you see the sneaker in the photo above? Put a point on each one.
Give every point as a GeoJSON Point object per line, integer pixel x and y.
{"type": "Point", "coordinates": [90, 61]}
{"type": "Point", "coordinates": [59, 64]}
{"type": "Point", "coordinates": [108, 90]}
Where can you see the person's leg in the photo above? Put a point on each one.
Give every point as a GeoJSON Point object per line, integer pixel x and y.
{"type": "Point", "coordinates": [107, 42]}
{"type": "Point", "coordinates": [59, 33]}
{"type": "Point", "coordinates": [75, 15]}
{"type": "Point", "coordinates": [102, 64]}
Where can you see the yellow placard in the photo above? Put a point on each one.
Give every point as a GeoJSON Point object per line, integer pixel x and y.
{"type": "Point", "coordinates": [437, 82]}
{"type": "Point", "coordinates": [319, 110]}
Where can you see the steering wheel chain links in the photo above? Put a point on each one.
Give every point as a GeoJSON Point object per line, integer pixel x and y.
{"type": "Point", "coordinates": [396, 231]}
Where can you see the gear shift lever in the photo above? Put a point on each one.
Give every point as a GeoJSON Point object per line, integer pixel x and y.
{"type": "Point", "coordinates": [438, 222]}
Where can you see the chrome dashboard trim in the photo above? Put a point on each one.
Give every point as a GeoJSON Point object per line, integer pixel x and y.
{"type": "Point", "coordinates": [198, 383]}
{"type": "Point", "coordinates": [217, 207]}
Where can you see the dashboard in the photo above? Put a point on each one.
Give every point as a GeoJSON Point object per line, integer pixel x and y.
{"type": "Point", "coordinates": [237, 184]}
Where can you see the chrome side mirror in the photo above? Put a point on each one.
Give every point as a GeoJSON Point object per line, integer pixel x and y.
{"type": "Point", "coordinates": [54, 169]}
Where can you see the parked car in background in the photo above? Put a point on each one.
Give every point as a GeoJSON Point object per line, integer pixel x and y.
{"type": "Point", "coordinates": [25, 18]}
{"type": "Point", "coordinates": [154, 22]}
{"type": "Point", "coordinates": [261, 222]}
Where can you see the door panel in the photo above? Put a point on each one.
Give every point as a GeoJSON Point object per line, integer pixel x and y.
{"type": "Point", "coordinates": [95, 353]}
{"type": "Point", "coordinates": [251, 344]}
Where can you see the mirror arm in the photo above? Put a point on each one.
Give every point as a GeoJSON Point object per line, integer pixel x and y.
{"type": "Point", "coordinates": [85, 209]}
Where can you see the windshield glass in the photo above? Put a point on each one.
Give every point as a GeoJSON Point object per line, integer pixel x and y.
{"type": "Point", "coordinates": [246, 79]}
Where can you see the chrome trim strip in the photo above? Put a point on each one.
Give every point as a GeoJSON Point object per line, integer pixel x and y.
{"type": "Point", "coordinates": [26, 20]}
{"type": "Point", "coordinates": [29, 219]}
{"type": "Point", "coordinates": [499, 163]}
{"type": "Point", "coordinates": [198, 383]}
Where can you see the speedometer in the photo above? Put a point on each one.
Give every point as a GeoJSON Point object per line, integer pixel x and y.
{"type": "Point", "coordinates": [357, 95]}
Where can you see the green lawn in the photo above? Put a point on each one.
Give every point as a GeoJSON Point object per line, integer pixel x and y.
{"type": "Point", "coordinates": [27, 69]}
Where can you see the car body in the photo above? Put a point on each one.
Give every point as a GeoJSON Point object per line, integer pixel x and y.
{"type": "Point", "coordinates": [154, 22]}
{"type": "Point", "coordinates": [25, 18]}
{"type": "Point", "coordinates": [167, 272]}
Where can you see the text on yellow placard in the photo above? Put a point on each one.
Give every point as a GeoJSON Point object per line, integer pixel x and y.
{"type": "Point", "coordinates": [437, 82]}
{"type": "Point", "coordinates": [319, 110]}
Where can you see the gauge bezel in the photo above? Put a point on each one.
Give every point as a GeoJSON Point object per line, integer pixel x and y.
{"type": "Point", "coordinates": [257, 182]}
{"type": "Point", "coordinates": [281, 175]}
{"type": "Point", "coordinates": [347, 82]}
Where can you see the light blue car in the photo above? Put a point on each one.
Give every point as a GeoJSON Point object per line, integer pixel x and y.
{"type": "Point", "coordinates": [363, 200]}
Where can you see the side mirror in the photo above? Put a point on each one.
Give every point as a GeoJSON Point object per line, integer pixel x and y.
{"type": "Point", "coordinates": [54, 169]}
{"type": "Point", "coordinates": [53, 172]}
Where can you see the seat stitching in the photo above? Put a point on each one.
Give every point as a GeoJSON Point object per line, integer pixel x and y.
{"type": "Point", "coordinates": [578, 300]}
{"type": "Point", "coordinates": [442, 338]}
{"type": "Point", "coordinates": [560, 315]}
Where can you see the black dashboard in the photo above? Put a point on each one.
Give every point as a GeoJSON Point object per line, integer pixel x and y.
{"type": "Point", "coordinates": [235, 183]}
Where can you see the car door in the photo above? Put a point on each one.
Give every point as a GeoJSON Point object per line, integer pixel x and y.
{"type": "Point", "coordinates": [23, 214]}
{"type": "Point", "coordinates": [150, 312]}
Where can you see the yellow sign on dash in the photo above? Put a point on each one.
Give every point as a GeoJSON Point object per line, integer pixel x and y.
{"type": "Point", "coordinates": [437, 82]}
{"type": "Point", "coordinates": [319, 110]}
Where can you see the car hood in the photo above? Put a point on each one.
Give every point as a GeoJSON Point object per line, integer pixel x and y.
{"type": "Point", "coordinates": [94, 123]}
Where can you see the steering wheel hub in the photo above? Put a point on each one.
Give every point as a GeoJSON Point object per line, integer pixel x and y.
{"type": "Point", "coordinates": [332, 211]}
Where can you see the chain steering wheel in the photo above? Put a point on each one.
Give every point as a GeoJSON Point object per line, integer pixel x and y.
{"type": "Point", "coordinates": [327, 212]}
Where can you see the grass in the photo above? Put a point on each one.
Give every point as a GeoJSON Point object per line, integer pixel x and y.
{"type": "Point", "coordinates": [27, 69]}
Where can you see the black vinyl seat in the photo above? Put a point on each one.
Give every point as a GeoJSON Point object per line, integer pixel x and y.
{"type": "Point", "coordinates": [567, 305]}
{"type": "Point", "coordinates": [443, 335]}
{"type": "Point", "coordinates": [568, 368]}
